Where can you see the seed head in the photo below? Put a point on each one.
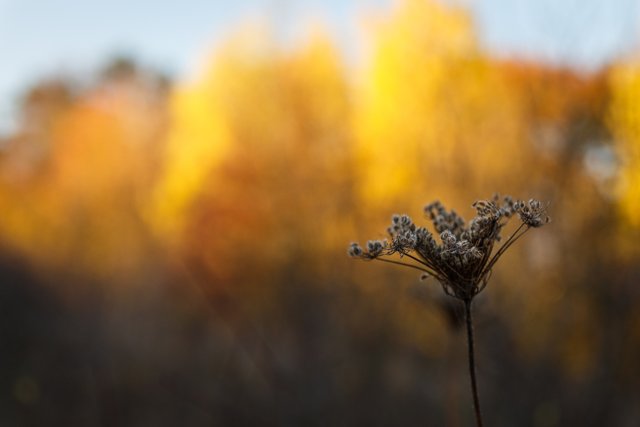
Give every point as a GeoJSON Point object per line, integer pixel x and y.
{"type": "Point", "coordinates": [464, 259]}
{"type": "Point", "coordinates": [532, 213]}
{"type": "Point", "coordinates": [355, 250]}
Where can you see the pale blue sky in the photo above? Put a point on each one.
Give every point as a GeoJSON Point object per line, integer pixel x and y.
{"type": "Point", "coordinates": [583, 33]}
{"type": "Point", "coordinates": [44, 37]}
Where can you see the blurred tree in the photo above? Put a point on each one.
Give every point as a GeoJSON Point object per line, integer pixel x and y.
{"type": "Point", "coordinates": [26, 151]}
{"type": "Point", "coordinates": [625, 122]}
{"type": "Point", "coordinates": [285, 131]}
{"type": "Point", "coordinates": [77, 206]}
{"type": "Point", "coordinates": [434, 114]}
{"type": "Point", "coordinates": [256, 175]}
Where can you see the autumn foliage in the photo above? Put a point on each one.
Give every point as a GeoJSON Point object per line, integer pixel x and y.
{"type": "Point", "coordinates": [238, 189]}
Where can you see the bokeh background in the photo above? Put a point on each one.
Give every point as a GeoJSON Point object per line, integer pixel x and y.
{"type": "Point", "coordinates": [179, 182]}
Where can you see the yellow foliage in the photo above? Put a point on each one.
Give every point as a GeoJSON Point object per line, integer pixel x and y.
{"type": "Point", "coordinates": [196, 143]}
{"type": "Point", "coordinates": [625, 123]}
{"type": "Point", "coordinates": [278, 157]}
{"type": "Point", "coordinates": [80, 207]}
{"type": "Point", "coordinates": [432, 109]}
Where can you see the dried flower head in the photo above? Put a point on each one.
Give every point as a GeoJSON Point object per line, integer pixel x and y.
{"type": "Point", "coordinates": [463, 255]}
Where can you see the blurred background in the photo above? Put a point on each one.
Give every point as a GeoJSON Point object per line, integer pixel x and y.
{"type": "Point", "coordinates": [179, 182]}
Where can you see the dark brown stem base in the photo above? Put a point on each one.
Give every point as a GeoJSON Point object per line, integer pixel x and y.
{"type": "Point", "coordinates": [472, 364]}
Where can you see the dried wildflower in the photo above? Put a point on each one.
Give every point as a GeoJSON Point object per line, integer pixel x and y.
{"type": "Point", "coordinates": [465, 255]}
{"type": "Point", "coordinates": [533, 213]}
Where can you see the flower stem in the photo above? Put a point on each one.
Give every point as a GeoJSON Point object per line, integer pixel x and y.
{"type": "Point", "coordinates": [472, 364]}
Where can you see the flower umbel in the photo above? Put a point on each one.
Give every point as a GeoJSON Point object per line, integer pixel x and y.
{"type": "Point", "coordinates": [463, 255]}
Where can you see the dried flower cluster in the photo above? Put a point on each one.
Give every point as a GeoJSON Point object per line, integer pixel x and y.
{"type": "Point", "coordinates": [463, 259]}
